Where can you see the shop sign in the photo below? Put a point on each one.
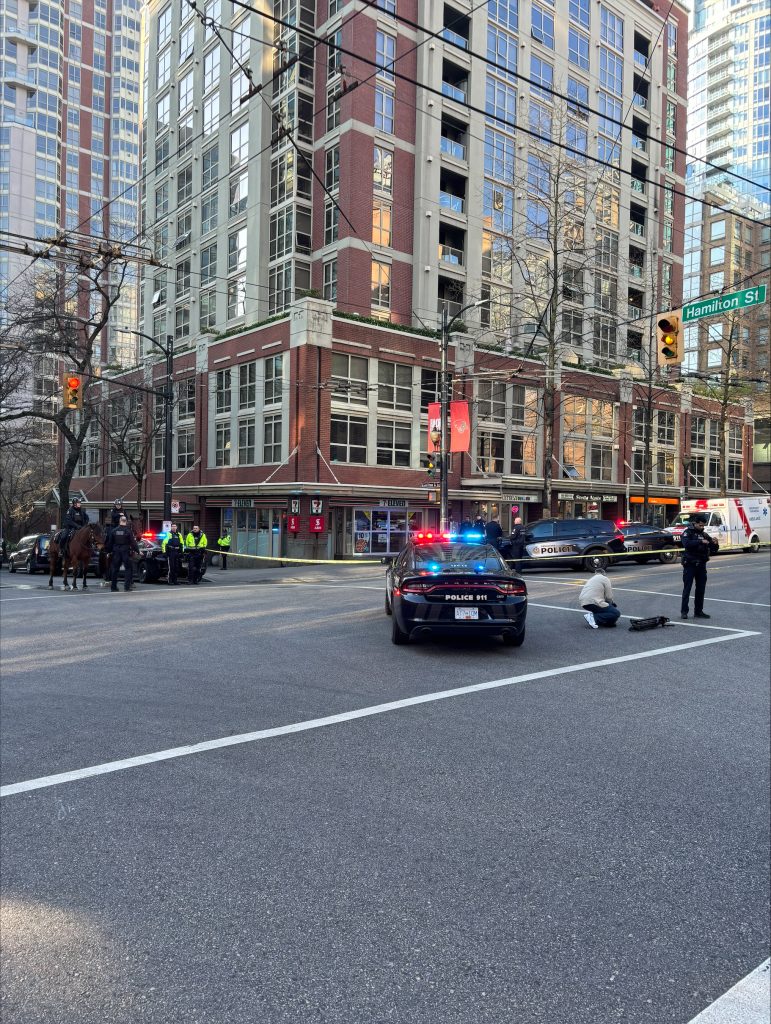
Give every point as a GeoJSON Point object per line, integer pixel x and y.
{"type": "Point", "coordinates": [293, 524]}
{"type": "Point", "coordinates": [506, 496]}
{"type": "Point", "coordinates": [294, 506]}
{"type": "Point", "coordinates": [393, 503]}
{"type": "Point", "coordinates": [317, 524]}
{"type": "Point", "coordinates": [317, 506]}
{"type": "Point", "coordinates": [243, 502]}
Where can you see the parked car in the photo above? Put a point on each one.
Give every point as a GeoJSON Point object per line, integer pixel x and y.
{"type": "Point", "coordinates": [643, 543]}
{"type": "Point", "coordinates": [31, 555]}
{"type": "Point", "coordinates": [577, 544]}
{"type": "Point", "coordinates": [439, 585]}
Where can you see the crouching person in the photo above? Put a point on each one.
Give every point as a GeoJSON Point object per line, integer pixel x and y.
{"type": "Point", "coordinates": [596, 598]}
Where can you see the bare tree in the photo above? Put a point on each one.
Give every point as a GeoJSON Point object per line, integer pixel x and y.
{"type": "Point", "coordinates": [60, 321]}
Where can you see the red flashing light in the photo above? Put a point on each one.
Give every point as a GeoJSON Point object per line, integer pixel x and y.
{"type": "Point", "coordinates": [148, 535]}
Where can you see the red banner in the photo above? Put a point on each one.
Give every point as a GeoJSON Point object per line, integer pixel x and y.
{"type": "Point", "coordinates": [460, 427]}
{"type": "Point", "coordinates": [434, 423]}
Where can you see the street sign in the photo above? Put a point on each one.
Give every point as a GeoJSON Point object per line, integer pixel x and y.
{"type": "Point", "coordinates": [724, 303]}
{"type": "Point", "coordinates": [317, 524]}
{"type": "Point", "coordinates": [175, 507]}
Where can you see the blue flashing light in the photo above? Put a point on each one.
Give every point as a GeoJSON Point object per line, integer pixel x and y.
{"type": "Point", "coordinates": [480, 568]}
{"type": "Point", "coordinates": [475, 536]}
{"type": "Point", "coordinates": [162, 536]}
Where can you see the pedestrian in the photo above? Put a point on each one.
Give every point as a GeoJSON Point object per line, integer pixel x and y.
{"type": "Point", "coordinates": [493, 533]}
{"type": "Point", "coordinates": [517, 540]}
{"type": "Point", "coordinates": [122, 544]}
{"type": "Point", "coordinates": [596, 598]}
{"type": "Point", "coordinates": [697, 547]}
{"type": "Point", "coordinates": [195, 545]}
{"type": "Point", "coordinates": [173, 546]}
{"type": "Point", "coordinates": [74, 520]}
{"type": "Point", "coordinates": [479, 527]}
{"type": "Point", "coordinates": [223, 543]}
{"type": "Point", "coordinates": [115, 513]}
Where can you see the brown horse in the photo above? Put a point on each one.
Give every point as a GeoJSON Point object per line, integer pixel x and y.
{"type": "Point", "coordinates": [84, 542]}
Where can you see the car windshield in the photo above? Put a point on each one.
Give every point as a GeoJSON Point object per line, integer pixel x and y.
{"type": "Point", "coordinates": [682, 519]}
{"type": "Point", "coordinates": [457, 558]}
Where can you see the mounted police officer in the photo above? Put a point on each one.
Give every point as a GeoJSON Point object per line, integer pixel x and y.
{"type": "Point", "coordinates": [195, 545]}
{"type": "Point", "coordinates": [75, 519]}
{"type": "Point", "coordinates": [172, 547]}
{"type": "Point", "coordinates": [122, 544]}
{"type": "Point", "coordinates": [223, 543]}
{"type": "Point", "coordinates": [697, 547]}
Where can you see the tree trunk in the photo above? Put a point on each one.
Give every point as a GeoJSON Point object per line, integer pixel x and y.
{"type": "Point", "coordinates": [548, 455]}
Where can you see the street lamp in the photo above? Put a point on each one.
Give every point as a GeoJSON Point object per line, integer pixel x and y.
{"type": "Point", "coordinates": [168, 398]}
{"type": "Point", "coordinates": [445, 398]}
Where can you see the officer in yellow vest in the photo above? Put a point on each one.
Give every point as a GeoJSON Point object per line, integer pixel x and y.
{"type": "Point", "coordinates": [195, 545]}
{"type": "Point", "coordinates": [223, 543]}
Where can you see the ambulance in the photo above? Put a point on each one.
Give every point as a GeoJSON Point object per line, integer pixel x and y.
{"type": "Point", "coordinates": [742, 522]}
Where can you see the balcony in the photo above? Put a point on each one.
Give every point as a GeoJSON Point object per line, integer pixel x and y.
{"type": "Point", "coordinates": [638, 144]}
{"type": "Point", "coordinates": [636, 271]}
{"type": "Point", "coordinates": [452, 203]}
{"type": "Point", "coordinates": [634, 312]}
{"type": "Point", "coordinates": [452, 37]}
{"type": "Point", "coordinates": [640, 59]}
{"type": "Point", "coordinates": [636, 229]}
{"type": "Point", "coordinates": [451, 255]}
{"type": "Point", "coordinates": [637, 186]}
{"type": "Point", "coordinates": [450, 147]}
{"type": "Point", "coordinates": [452, 306]}
{"type": "Point", "coordinates": [641, 102]}
{"type": "Point", "coordinates": [454, 92]}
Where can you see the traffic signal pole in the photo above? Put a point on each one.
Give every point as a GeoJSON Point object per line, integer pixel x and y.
{"type": "Point", "coordinates": [168, 403]}
{"type": "Point", "coordinates": [444, 490]}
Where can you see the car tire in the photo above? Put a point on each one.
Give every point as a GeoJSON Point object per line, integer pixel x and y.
{"type": "Point", "coordinates": [11, 565]}
{"type": "Point", "coordinates": [398, 636]}
{"type": "Point", "coordinates": [754, 545]}
{"type": "Point", "coordinates": [667, 557]}
{"type": "Point", "coordinates": [29, 568]}
{"type": "Point", "coordinates": [388, 609]}
{"type": "Point", "coordinates": [514, 639]}
{"type": "Point", "coordinates": [142, 573]}
{"type": "Point", "coordinates": [594, 560]}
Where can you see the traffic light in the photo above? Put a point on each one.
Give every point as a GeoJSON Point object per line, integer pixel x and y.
{"type": "Point", "coordinates": [431, 464]}
{"type": "Point", "coordinates": [669, 340]}
{"type": "Point", "coordinates": [72, 390]}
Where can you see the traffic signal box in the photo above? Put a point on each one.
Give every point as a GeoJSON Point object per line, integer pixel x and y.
{"type": "Point", "coordinates": [72, 390]}
{"type": "Point", "coordinates": [431, 463]}
{"type": "Point", "coordinates": [669, 338]}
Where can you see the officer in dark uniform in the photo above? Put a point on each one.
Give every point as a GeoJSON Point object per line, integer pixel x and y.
{"type": "Point", "coordinates": [115, 513]}
{"type": "Point", "coordinates": [517, 542]}
{"type": "Point", "coordinates": [697, 547]}
{"type": "Point", "coordinates": [173, 546]}
{"type": "Point", "coordinates": [122, 544]}
{"type": "Point", "coordinates": [74, 520]}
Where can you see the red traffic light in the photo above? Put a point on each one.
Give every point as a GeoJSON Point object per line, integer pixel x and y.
{"type": "Point", "coordinates": [73, 382]}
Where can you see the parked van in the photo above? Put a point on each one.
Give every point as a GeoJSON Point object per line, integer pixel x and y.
{"type": "Point", "coordinates": [740, 522]}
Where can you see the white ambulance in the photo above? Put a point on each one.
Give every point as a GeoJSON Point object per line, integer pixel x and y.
{"type": "Point", "coordinates": [743, 522]}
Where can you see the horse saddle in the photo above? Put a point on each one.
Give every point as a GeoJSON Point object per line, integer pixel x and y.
{"type": "Point", "coordinates": [59, 537]}
{"type": "Point", "coordinates": [650, 623]}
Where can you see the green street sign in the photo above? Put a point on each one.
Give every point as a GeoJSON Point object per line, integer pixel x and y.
{"type": "Point", "coordinates": [724, 303]}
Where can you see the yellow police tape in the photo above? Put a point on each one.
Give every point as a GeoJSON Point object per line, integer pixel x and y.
{"type": "Point", "coordinates": [525, 558]}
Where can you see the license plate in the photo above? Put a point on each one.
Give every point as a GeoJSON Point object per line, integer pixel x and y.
{"type": "Point", "coordinates": [466, 613]}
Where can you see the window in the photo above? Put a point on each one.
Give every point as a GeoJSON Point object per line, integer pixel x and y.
{"type": "Point", "coordinates": [332, 168]}
{"type": "Point", "coordinates": [208, 264]}
{"type": "Point", "coordinates": [541, 74]}
{"type": "Point", "coordinates": [222, 391]}
{"type": "Point", "coordinates": [504, 12]}
{"type": "Point", "coordinates": [164, 25]}
{"type": "Point", "coordinates": [578, 98]}
{"type": "Point", "coordinates": [185, 92]}
{"type": "Point", "coordinates": [186, 42]}
{"type": "Point", "coordinates": [542, 26]}
{"type": "Point", "coordinates": [207, 311]}
{"type": "Point", "coordinates": [162, 201]}
{"type": "Point", "coordinates": [491, 401]}
{"type": "Point", "coordinates": [502, 51]}
{"type": "Point", "coordinates": [348, 438]}
{"type": "Point", "coordinates": [385, 54]}
{"type": "Point", "coordinates": [239, 87]}
{"type": "Point", "coordinates": [183, 278]}
{"type": "Point", "coordinates": [716, 255]}
{"type": "Point", "coordinates": [281, 232]}
{"type": "Point", "coordinates": [239, 194]}
{"type": "Point", "coordinates": [239, 145]}
{"type": "Point", "coordinates": [500, 102]}
{"type": "Point", "coordinates": [717, 230]}
{"type": "Point", "coordinates": [350, 379]}
{"type": "Point", "coordinates": [182, 322]}
{"type": "Point", "coordinates": [211, 69]}
{"type": "Point", "coordinates": [211, 113]}
{"type": "Point", "coordinates": [665, 428]}
{"type": "Point", "coordinates": [185, 185]}
{"type": "Point", "coordinates": [271, 444]}
{"type": "Point", "coordinates": [163, 69]}
{"type": "Point", "coordinates": [209, 167]}
{"type": "Point", "coordinates": [389, 6]}
{"type": "Point", "coordinates": [186, 399]}
{"type": "Point", "coordinates": [185, 447]}
{"type": "Point", "coordinates": [222, 444]}
{"type": "Point", "coordinates": [382, 173]}
{"type": "Point", "coordinates": [381, 285]}
{"type": "Point", "coordinates": [490, 452]}
{"type": "Point", "coordinates": [274, 378]}
{"type": "Point", "coordinates": [671, 118]}
{"type": "Point", "coordinates": [394, 386]}
{"type": "Point", "coordinates": [236, 297]}
{"type": "Point", "coordinates": [333, 106]}
{"type": "Point", "coordinates": [330, 281]}
{"type": "Point", "coordinates": [669, 158]}
{"type": "Point", "coordinates": [611, 71]}
{"type": "Point", "coordinates": [578, 48]}
{"type": "Point", "coordinates": [384, 109]}
{"type": "Point", "coordinates": [246, 441]}
{"type": "Point", "coordinates": [331, 220]}
{"type": "Point", "coordinates": [601, 465]}
{"type": "Point", "coordinates": [162, 113]}
{"type": "Point", "coordinates": [393, 443]}
{"type": "Point", "coordinates": [237, 251]}
{"type": "Point", "coordinates": [611, 28]}
{"type": "Point", "coordinates": [247, 385]}
{"type": "Point", "coordinates": [381, 223]}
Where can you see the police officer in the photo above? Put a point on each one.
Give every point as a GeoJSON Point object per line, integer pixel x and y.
{"type": "Point", "coordinates": [697, 547]}
{"type": "Point", "coordinates": [122, 544]}
{"type": "Point", "coordinates": [116, 512]}
{"type": "Point", "coordinates": [74, 519]}
{"type": "Point", "coordinates": [195, 545]}
{"type": "Point", "coordinates": [223, 543]}
{"type": "Point", "coordinates": [173, 546]}
{"type": "Point", "coordinates": [517, 542]}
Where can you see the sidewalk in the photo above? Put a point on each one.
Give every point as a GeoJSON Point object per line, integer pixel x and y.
{"type": "Point", "coordinates": [273, 570]}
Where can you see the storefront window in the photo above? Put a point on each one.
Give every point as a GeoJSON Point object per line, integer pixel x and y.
{"type": "Point", "coordinates": [257, 532]}
{"type": "Point", "coordinates": [383, 531]}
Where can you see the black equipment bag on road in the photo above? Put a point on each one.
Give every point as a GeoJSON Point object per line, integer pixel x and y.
{"type": "Point", "coordinates": [649, 623]}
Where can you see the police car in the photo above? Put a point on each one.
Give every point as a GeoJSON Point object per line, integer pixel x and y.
{"type": "Point", "coordinates": [580, 544]}
{"type": "Point", "coordinates": [440, 584]}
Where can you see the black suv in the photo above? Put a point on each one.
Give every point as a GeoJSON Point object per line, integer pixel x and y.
{"type": "Point", "coordinates": [31, 555]}
{"type": "Point", "coordinates": [578, 544]}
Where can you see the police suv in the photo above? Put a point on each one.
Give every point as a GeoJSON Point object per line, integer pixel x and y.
{"type": "Point", "coordinates": [579, 544]}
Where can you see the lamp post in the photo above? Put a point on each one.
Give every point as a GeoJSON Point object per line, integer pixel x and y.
{"type": "Point", "coordinates": [168, 397]}
{"type": "Point", "coordinates": [445, 400]}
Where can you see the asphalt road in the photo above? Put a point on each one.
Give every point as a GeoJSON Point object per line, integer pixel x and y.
{"type": "Point", "coordinates": [584, 841]}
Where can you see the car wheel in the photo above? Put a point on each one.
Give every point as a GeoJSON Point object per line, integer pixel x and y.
{"type": "Point", "coordinates": [142, 572]}
{"type": "Point", "coordinates": [666, 557]}
{"type": "Point", "coordinates": [596, 560]}
{"type": "Point", "coordinates": [29, 567]}
{"type": "Point", "coordinates": [514, 639]}
{"type": "Point", "coordinates": [754, 545]}
{"type": "Point", "coordinates": [398, 636]}
{"type": "Point", "coordinates": [11, 566]}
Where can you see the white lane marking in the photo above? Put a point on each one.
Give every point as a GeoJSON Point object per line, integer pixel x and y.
{"type": "Point", "coordinates": [663, 593]}
{"type": "Point", "coordinates": [746, 1003]}
{"type": "Point", "coordinates": [346, 716]}
{"type": "Point", "coordinates": [692, 625]}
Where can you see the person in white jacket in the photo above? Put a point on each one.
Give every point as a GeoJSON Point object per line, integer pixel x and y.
{"type": "Point", "coordinates": [596, 598]}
